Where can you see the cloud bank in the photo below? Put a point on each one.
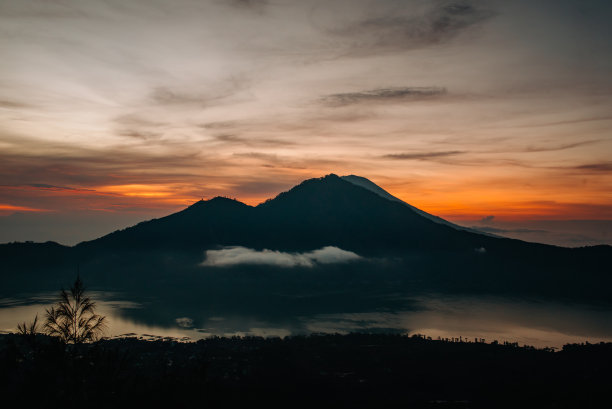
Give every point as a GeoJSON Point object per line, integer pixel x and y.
{"type": "Point", "coordinates": [236, 255]}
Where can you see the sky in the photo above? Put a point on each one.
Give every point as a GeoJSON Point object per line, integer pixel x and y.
{"type": "Point", "coordinates": [113, 112]}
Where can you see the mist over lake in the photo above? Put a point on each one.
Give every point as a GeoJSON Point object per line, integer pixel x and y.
{"type": "Point", "coordinates": [540, 324]}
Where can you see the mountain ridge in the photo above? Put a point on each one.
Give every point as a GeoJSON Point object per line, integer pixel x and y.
{"type": "Point", "coordinates": [314, 191]}
{"type": "Point", "coordinates": [398, 248]}
{"type": "Point", "coordinates": [318, 212]}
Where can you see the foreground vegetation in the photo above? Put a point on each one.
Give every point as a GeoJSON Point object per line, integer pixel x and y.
{"type": "Point", "coordinates": [357, 370]}
{"type": "Point", "coordinates": [72, 319]}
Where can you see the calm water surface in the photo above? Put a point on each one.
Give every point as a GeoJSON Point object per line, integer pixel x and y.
{"type": "Point", "coordinates": [532, 323]}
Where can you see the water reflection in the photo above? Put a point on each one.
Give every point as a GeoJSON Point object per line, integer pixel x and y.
{"type": "Point", "coordinates": [532, 323]}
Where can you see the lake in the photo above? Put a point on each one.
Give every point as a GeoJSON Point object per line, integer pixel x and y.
{"type": "Point", "coordinates": [541, 324]}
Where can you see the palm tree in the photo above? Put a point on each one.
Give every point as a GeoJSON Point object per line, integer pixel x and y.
{"type": "Point", "coordinates": [73, 319]}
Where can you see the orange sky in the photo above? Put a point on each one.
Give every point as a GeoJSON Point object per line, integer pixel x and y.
{"type": "Point", "coordinates": [465, 110]}
{"type": "Point", "coordinates": [451, 200]}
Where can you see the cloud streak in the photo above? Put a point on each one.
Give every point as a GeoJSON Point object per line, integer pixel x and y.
{"type": "Point", "coordinates": [254, 5]}
{"type": "Point", "coordinates": [234, 139]}
{"type": "Point", "coordinates": [398, 29]}
{"type": "Point", "coordinates": [55, 188]}
{"type": "Point", "coordinates": [384, 95]}
{"type": "Point", "coordinates": [595, 167]}
{"type": "Point", "coordinates": [421, 155]}
{"type": "Point", "coordinates": [496, 230]}
{"type": "Point", "coordinates": [233, 256]}
{"type": "Point", "coordinates": [559, 147]}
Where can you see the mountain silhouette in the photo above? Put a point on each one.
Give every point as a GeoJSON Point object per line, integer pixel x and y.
{"type": "Point", "coordinates": [318, 212]}
{"type": "Point", "coordinates": [373, 187]}
{"type": "Point", "coordinates": [400, 245]}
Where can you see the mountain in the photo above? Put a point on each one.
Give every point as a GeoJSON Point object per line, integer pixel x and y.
{"type": "Point", "coordinates": [349, 212]}
{"type": "Point", "coordinates": [399, 247]}
{"type": "Point", "coordinates": [373, 187]}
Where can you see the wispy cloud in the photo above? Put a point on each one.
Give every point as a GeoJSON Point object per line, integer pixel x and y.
{"type": "Point", "coordinates": [56, 188]}
{"type": "Point", "coordinates": [220, 125]}
{"type": "Point", "coordinates": [4, 207]}
{"type": "Point", "coordinates": [251, 141]}
{"type": "Point", "coordinates": [399, 29]}
{"type": "Point", "coordinates": [260, 187]}
{"type": "Point", "coordinates": [488, 229]}
{"type": "Point", "coordinates": [569, 122]}
{"type": "Point", "coordinates": [140, 134]}
{"type": "Point", "coordinates": [136, 120]}
{"type": "Point", "coordinates": [535, 148]}
{"type": "Point", "coordinates": [595, 167]}
{"type": "Point", "coordinates": [289, 162]}
{"type": "Point", "coordinates": [10, 104]}
{"type": "Point", "coordinates": [421, 155]}
{"type": "Point", "coordinates": [167, 96]}
{"type": "Point", "coordinates": [255, 5]}
{"type": "Point", "coordinates": [232, 256]}
{"type": "Point", "coordinates": [487, 219]}
{"type": "Point", "coordinates": [383, 95]}
{"type": "Point", "coordinates": [184, 322]}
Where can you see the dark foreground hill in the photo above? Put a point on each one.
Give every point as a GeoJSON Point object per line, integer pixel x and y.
{"type": "Point", "coordinates": [399, 248]}
{"type": "Point", "coordinates": [329, 371]}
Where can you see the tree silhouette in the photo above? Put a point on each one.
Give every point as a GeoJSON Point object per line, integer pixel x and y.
{"type": "Point", "coordinates": [73, 319]}
{"type": "Point", "coordinates": [28, 329]}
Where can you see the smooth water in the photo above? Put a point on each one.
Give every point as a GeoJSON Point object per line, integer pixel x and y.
{"type": "Point", "coordinates": [541, 324]}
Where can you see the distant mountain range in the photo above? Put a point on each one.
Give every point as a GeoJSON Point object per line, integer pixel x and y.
{"type": "Point", "coordinates": [393, 241]}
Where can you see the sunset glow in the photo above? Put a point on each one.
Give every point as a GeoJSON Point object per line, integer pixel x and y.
{"type": "Point", "coordinates": [463, 109]}
{"type": "Point", "coordinates": [9, 209]}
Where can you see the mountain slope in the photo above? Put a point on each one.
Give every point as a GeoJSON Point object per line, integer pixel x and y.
{"type": "Point", "coordinates": [332, 211]}
{"type": "Point", "coordinates": [204, 224]}
{"type": "Point", "coordinates": [367, 184]}
{"type": "Point", "coordinates": [348, 212]}
{"type": "Point", "coordinates": [400, 247]}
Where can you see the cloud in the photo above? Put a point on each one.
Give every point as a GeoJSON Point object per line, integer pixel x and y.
{"type": "Point", "coordinates": [596, 167]}
{"type": "Point", "coordinates": [540, 148]}
{"type": "Point", "coordinates": [570, 121]}
{"type": "Point", "coordinates": [255, 5]}
{"type": "Point", "coordinates": [220, 125]}
{"type": "Point", "coordinates": [487, 219]}
{"type": "Point", "coordinates": [289, 162]}
{"type": "Point", "coordinates": [137, 121]}
{"type": "Point", "coordinates": [45, 186]}
{"type": "Point", "coordinates": [396, 30]}
{"type": "Point", "coordinates": [421, 155]}
{"type": "Point", "coordinates": [559, 147]}
{"type": "Point", "coordinates": [166, 96]}
{"type": "Point", "coordinates": [144, 135]}
{"type": "Point", "coordinates": [7, 104]}
{"type": "Point", "coordinates": [383, 95]}
{"type": "Point", "coordinates": [237, 255]}
{"type": "Point", "coordinates": [11, 208]}
{"type": "Point", "coordinates": [258, 155]}
{"type": "Point", "coordinates": [260, 187]}
{"type": "Point", "coordinates": [487, 229]}
{"type": "Point", "coordinates": [184, 322]}
{"type": "Point", "coordinates": [251, 141]}
{"type": "Point", "coordinates": [52, 187]}
{"type": "Point", "coordinates": [206, 94]}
